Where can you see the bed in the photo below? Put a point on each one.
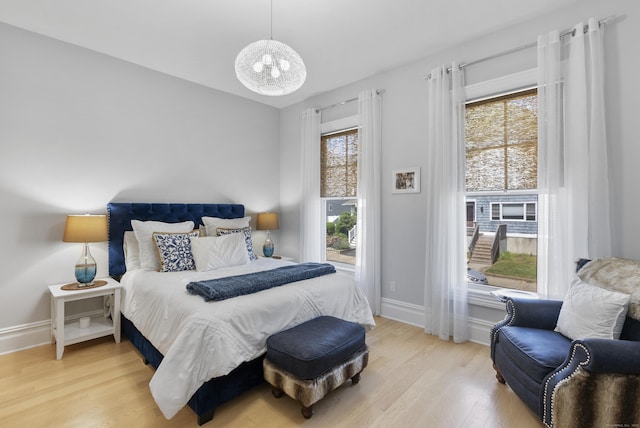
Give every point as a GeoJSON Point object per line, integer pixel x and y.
{"type": "Point", "coordinates": [211, 352]}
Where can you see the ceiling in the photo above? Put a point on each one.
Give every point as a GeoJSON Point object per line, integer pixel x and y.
{"type": "Point", "coordinates": [341, 41]}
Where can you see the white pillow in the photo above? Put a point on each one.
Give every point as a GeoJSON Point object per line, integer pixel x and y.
{"type": "Point", "coordinates": [200, 251]}
{"type": "Point", "coordinates": [214, 252]}
{"type": "Point", "coordinates": [131, 251]}
{"type": "Point", "coordinates": [212, 224]}
{"type": "Point", "coordinates": [246, 231]}
{"type": "Point", "coordinates": [590, 311]}
{"type": "Point", "coordinates": [144, 234]}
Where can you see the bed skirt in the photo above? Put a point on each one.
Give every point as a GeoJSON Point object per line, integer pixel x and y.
{"type": "Point", "coordinates": [213, 393]}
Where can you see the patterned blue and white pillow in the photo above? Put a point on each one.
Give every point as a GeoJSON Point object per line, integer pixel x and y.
{"type": "Point", "coordinates": [247, 238]}
{"type": "Point", "coordinates": [174, 251]}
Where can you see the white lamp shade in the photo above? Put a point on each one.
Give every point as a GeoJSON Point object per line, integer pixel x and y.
{"type": "Point", "coordinates": [269, 67]}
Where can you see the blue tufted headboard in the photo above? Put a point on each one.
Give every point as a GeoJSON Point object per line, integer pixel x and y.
{"type": "Point", "coordinates": [121, 214]}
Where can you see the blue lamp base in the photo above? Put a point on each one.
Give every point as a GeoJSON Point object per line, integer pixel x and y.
{"type": "Point", "coordinates": [86, 268]}
{"type": "Point", "coordinates": [268, 247]}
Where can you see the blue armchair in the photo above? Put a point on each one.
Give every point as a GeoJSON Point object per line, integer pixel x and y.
{"type": "Point", "coordinates": [582, 383]}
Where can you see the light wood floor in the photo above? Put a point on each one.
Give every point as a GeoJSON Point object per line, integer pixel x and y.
{"type": "Point", "coordinates": [413, 380]}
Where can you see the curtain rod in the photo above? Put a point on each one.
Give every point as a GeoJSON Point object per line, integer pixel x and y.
{"type": "Point", "coordinates": [318, 110]}
{"type": "Point", "coordinates": [522, 47]}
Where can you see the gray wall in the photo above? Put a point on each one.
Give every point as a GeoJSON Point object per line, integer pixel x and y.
{"type": "Point", "coordinates": [404, 128]}
{"type": "Point", "coordinates": [79, 129]}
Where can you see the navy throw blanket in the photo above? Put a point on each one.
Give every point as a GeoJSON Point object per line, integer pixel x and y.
{"type": "Point", "coordinates": [234, 286]}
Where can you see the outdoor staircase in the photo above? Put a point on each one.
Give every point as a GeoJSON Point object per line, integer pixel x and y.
{"type": "Point", "coordinates": [353, 237]}
{"type": "Point", "coordinates": [482, 251]}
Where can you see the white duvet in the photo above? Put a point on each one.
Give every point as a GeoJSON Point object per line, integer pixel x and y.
{"type": "Point", "coordinates": [202, 340]}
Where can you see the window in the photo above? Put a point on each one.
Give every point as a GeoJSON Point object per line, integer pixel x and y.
{"type": "Point", "coordinates": [501, 183]}
{"type": "Point", "coordinates": [502, 143]}
{"type": "Point", "coordinates": [338, 186]}
{"type": "Point", "coordinates": [339, 164]}
{"type": "Point", "coordinates": [513, 211]}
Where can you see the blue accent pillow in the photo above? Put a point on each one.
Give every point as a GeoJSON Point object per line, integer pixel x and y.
{"type": "Point", "coordinates": [247, 238]}
{"type": "Point", "coordinates": [174, 251]}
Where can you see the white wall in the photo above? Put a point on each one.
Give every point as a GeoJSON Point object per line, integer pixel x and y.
{"type": "Point", "coordinates": [404, 127]}
{"type": "Point", "coordinates": [79, 129]}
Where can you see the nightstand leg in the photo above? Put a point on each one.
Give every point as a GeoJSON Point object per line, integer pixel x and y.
{"type": "Point", "coordinates": [116, 315]}
{"type": "Point", "coordinates": [59, 328]}
{"type": "Point", "coordinates": [53, 320]}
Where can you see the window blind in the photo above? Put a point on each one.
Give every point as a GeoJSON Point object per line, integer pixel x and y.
{"type": "Point", "coordinates": [502, 143]}
{"type": "Point", "coordinates": [339, 164]}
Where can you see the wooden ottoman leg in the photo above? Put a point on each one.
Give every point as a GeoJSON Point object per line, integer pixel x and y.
{"type": "Point", "coordinates": [499, 375]}
{"type": "Point", "coordinates": [307, 412]}
{"type": "Point", "coordinates": [309, 391]}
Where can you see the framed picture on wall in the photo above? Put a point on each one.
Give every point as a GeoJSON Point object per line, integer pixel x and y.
{"type": "Point", "coordinates": [406, 180]}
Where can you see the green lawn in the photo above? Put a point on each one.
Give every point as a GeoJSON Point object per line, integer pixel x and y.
{"type": "Point", "coordinates": [515, 265]}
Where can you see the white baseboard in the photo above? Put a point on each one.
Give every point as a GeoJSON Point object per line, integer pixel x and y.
{"type": "Point", "coordinates": [407, 313]}
{"type": "Point", "coordinates": [479, 331]}
{"type": "Point", "coordinates": [414, 315]}
{"type": "Point", "coordinates": [25, 336]}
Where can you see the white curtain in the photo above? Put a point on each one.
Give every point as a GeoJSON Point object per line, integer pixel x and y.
{"type": "Point", "coordinates": [445, 287]}
{"type": "Point", "coordinates": [311, 223]}
{"type": "Point", "coordinates": [573, 177]}
{"type": "Point", "coordinates": [368, 193]}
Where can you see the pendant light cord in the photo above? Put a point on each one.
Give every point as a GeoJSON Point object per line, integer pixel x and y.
{"type": "Point", "coordinates": [271, 29]}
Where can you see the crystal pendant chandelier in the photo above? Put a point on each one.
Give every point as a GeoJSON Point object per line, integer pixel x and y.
{"type": "Point", "coordinates": [269, 67]}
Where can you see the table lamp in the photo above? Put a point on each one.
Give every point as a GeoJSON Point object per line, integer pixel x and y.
{"type": "Point", "coordinates": [85, 228]}
{"type": "Point", "coordinates": [268, 222]}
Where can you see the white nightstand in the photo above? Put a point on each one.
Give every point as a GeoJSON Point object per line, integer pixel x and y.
{"type": "Point", "coordinates": [70, 333]}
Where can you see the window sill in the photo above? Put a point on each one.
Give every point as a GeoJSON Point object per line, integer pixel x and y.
{"type": "Point", "coordinates": [478, 295]}
{"type": "Point", "coordinates": [344, 267]}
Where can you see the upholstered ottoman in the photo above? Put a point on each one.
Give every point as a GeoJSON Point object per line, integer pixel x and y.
{"type": "Point", "coordinates": [312, 359]}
